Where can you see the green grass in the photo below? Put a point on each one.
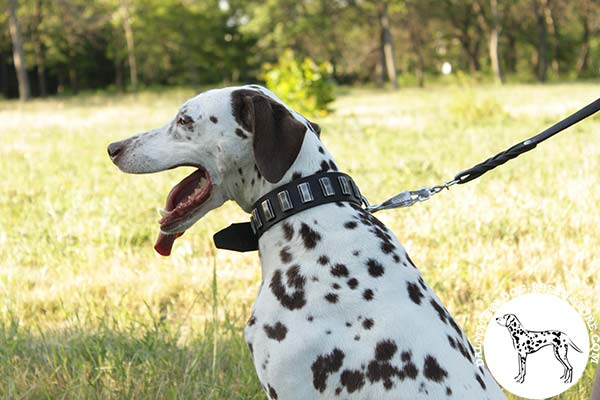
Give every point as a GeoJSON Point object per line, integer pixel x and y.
{"type": "Point", "coordinates": [88, 310]}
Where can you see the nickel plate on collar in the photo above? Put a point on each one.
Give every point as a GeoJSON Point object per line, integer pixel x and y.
{"type": "Point", "coordinates": [305, 192]}
{"type": "Point", "coordinates": [267, 209]}
{"type": "Point", "coordinates": [284, 200]}
{"type": "Point", "coordinates": [326, 186]}
{"type": "Point", "coordinates": [345, 185]}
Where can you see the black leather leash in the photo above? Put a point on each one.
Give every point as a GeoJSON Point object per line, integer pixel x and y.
{"type": "Point", "coordinates": [529, 144]}
{"type": "Point", "coordinates": [311, 191]}
{"type": "Point", "coordinates": [408, 198]}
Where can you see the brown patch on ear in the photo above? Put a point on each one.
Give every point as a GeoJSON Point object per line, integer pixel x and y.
{"type": "Point", "coordinates": [243, 111]}
{"type": "Point", "coordinates": [277, 137]}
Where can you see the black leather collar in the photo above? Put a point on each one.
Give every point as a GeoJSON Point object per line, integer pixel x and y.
{"type": "Point", "coordinates": [285, 201]}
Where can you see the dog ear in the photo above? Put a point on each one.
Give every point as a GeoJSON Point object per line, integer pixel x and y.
{"type": "Point", "coordinates": [277, 134]}
{"type": "Point", "coordinates": [278, 137]}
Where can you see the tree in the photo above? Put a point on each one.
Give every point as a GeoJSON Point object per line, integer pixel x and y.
{"type": "Point", "coordinates": [494, 39]}
{"type": "Point", "coordinates": [133, 73]}
{"type": "Point", "coordinates": [39, 50]}
{"type": "Point", "coordinates": [542, 43]}
{"type": "Point", "coordinates": [387, 44]}
{"type": "Point", "coordinates": [18, 54]}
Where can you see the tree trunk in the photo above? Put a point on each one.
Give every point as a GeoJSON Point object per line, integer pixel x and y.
{"type": "Point", "coordinates": [119, 81]}
{"type": "Point", "coordinates": [73, 77]}
{"type": "Point", "coordinates": [542, 46]}
{"type": "Point", "coordinates": [494, 35]}
{"type": "Point", "coordinates": [552, 26]}
{"type": "Point", "coordinates": [4, 74]}
{"type": "Point", "coordinates": [584, 54]}
{"type": "Point", "coordinates": [387, 44]}
{"type": "Point", "coordinates": [416, 45]}
{"type": "Point", "coordinates": [133, 73]}
{"type": "Point", "coordinates": [511, 54]}
{"type": "Point", "coordinates": [18, 55]}
{"type": "Point", "coordinates": [39, 51]}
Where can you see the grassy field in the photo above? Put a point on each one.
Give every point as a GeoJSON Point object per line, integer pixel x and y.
{"type": "Point", "coordinates": [88, 310]}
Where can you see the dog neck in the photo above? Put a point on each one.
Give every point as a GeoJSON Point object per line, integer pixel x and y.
{"type": "Point", "coordinates": [245, 184]}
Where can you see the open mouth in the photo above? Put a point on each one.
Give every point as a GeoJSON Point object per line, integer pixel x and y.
{"type": "Point", "coordinates": [182, 203]}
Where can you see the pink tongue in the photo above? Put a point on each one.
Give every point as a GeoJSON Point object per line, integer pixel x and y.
{"type": "Point", "coordinates": [164, 243]}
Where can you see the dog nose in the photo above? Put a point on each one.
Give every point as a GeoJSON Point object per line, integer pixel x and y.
{"type": "Point", "coordinates": [114, 149]}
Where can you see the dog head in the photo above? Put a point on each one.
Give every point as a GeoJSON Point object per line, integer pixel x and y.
{"type": "Point", "coordinates": [233, 137]}
{"type": "Point", "coordinates": [508, 320]}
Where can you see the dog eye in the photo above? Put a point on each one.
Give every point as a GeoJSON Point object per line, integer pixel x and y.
{"type": "Point", "coordinates": [185, 120]}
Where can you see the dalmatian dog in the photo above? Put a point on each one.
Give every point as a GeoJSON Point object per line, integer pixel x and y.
{"type": "Point", "coordinates": [342, 312]}
{"type": "Point", "coordinates": [527, 342]}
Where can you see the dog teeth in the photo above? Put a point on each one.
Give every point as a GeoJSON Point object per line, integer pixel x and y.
{"type": "Point", "coordinates": [163, 212]}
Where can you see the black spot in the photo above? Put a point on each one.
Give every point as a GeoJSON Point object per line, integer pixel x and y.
{"type": "Point", "coordinates": [335, 286]}
{"type": "Point", "coordinates": [409, 260]}
{"type": "Point", "coordinates": [250, 347]}
{"type": "Point", "coordinates": [309, 318]}
{"type": "Point", "coordinates": [328, 332]}
{"type": "Point", "coordinates": [353, 380]}
{"type": "Point", "coordinates": [309, 236]}
{"type": "Point", "coordinates": [272, 393]}
{"type": "Point", "coordinates": [321, 150]}
{"type": "Point", "coordinates": [276, 332]}
{"type": "Point", "coordinates": [348, 324]}
{"type": "Point", "coordinates": [385, 350]}
{"type": "Point", "coordinates": [323, 260]}
{"type": "Point", "coordinates": [332, 165]}
{"type": "Point", "coordinates": [357, 338]}
{"type": "Point", "coordinates": [448, 391]}
{"type": "Point", "coordinates": [422, 283]}
{"type": "Point", "coordinates": [433, 371]}
{"type": "Point", "coordinates": [292, 302]}
{"type": "Point", "coordinates": [331, 297]}
{"type": "Point", "coordinates": [440, 310]}
{"type": "Point", "coordinates": [241, 133]}
{"type": "Point", "coordinates": [481, 383]}
{"type": "Point", "coordinates": [414, 292]}
{"type": "Point", "coordinates": [288, 231]}
{"type": "Point", "coordinates": [368, 323]}
{"type": "Point", "coordinates": [339, 270]}
{"type": "Point", "coordinates": [251, 321]}
{"type": "Point", "coordinates": [285, 255]}
{"type": "Point", "coordinates": [352, 283]}
{"type": "Point", "coordinates": [294, 278]}
{"type": "Point", "coordinates": [324, 166]}
{"type": "Point", "coordinates": [296, 175]}
{"type": "Point", "coordinates": [368, 295]}
{"type": "Point", "coordinates": [356, 253]}
{"type": "Point", "coordinates": [380, 369]}
{"type": "Point", "coordinates": [213, 119]}
{"type": "Point", "coordinates": [350, 225]}
{"type": "Point", "coordinates": [375, 268]}
{"type": "Point", "coordinates": [454, 325]}
{"type": "Point", "coordinates": [451, 341]}
{"type": "Point", "coordinates": [323, 366]}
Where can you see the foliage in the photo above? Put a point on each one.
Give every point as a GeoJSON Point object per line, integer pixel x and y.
{"type": "Point", "coordinates": [82, 44]}
{"type": "Point", "coordinates": [89, 311]}
{"type": "Point", "coordinates": [306, 86]}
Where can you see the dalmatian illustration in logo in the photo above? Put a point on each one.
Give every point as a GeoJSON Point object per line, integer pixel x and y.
{"type": "Point", "coordinates": [527, 342]}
